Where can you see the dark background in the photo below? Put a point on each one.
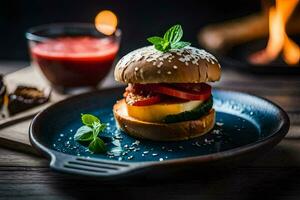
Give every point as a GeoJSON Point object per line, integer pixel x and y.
{"type": "Point", "coordinates": [138, 19]}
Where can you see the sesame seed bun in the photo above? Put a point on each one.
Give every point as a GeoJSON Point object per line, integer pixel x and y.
{"type": "Point", "coordinates": [162, 131]}
{"type": "Point", "coordinates": [186, 65]}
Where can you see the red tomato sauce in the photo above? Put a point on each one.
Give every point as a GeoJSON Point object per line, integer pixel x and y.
{"type": "Point", "coordinates": [75, 61]}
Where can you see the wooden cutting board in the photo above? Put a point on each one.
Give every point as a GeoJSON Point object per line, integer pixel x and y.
{"type": "Point", "coordinates": [14, 130]}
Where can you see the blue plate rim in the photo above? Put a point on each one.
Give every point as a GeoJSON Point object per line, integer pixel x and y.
{"type": "Point", "coordinates": [272, 139]}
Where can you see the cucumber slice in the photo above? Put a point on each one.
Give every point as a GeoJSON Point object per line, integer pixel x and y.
{"type": "Point", "coordinates": [194, 114]}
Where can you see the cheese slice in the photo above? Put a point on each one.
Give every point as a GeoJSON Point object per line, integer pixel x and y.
{"type": "Point", "coordinates": [157, 112]}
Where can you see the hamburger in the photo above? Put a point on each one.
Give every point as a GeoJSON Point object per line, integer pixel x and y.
{"type": "Point", "coordinates": [168, 97]}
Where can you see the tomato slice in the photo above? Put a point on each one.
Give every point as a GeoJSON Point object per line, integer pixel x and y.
{"type": "Point", "coordinates": [203, 94]}
{"type": "Point", "coordinates": [192, 87]}
{"type": "Point", "coordinates": [149, 94]}
{"type": "Point", "coordinates": [199, 91]}
{"type": "Point", "coordinates": [140, 100]}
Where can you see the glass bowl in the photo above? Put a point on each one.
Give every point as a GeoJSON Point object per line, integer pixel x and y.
{"type": "Point", "coordinates": [72, 54]}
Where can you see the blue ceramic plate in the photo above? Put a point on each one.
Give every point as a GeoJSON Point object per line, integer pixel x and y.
{"type": "Point", "coordinates": [246, 126]}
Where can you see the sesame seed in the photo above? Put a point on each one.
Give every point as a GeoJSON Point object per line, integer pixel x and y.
{"type": "Point", "coordinates": [158, 71]}
{"type": "Point", "coordinates": [175, 67]}
{"type": "Point", "coordinates": [160, 64]}
{"type": "Point", "coordinates": [181, 59]}
{"type": "Point", "coordinates": [136, 69]}
{"type": "Point", "coordinates": [169, 72]}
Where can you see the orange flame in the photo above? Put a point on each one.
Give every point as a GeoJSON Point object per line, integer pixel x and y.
{"type": "Point", "coordinates": [106, 22]}
{"type": "Point", "coordinates": [278, 40]}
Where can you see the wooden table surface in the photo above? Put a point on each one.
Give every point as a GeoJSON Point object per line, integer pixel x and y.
{"type": "Point", "coordinates": [275, 175]}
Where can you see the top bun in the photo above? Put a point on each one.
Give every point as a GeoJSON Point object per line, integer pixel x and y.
{"type": "Point", "coordinates": [186, 65]}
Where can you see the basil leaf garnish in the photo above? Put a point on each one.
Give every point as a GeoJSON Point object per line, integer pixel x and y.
{"type": "Point", "coordinates": [84, 133]}
{"type": "Point", "coordinates": [171, 40]}
{"type": "Point", "coordinates": [89, 120]}
{"type": "Point", "coordinates": [90, 131]}
{"type": "Point", "coordinates": [155, 40]}
{"type": "Point", "coordinates": [180, 45]}
{"type": "Point", "coordinates": [97, 146]}
{"type": "Point", "coordinates": [174, 34]}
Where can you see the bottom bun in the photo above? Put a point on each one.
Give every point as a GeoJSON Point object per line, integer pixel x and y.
{"type": "Point", "coordinates": [162, 131]}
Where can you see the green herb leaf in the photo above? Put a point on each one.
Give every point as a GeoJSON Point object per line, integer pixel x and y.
{"type": "Point", "coordinates": [155, 40]}
{"type": "Point", "coordinates": [174, 34]}
{"type": "Point", "coordinates": [97, 128]}
{"type": "Point", "coordinates": [166, 46]}
{"type": "Point", "coordinates": [84, 134]}
{"type": "Point", "coordinates": [89, 133]}
{"type": "Point", "coordinates": [89, 120]}
{"type": "Point", "coordinates": [180, 45]}
{"type": "Point", "coordinates": [97, 146]}
{"type": "Point", "coordinates": [171, 40]}
{"type": "Point", "coordinates": [159, 47]}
